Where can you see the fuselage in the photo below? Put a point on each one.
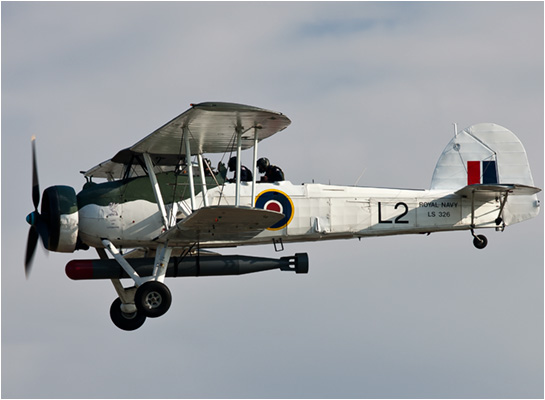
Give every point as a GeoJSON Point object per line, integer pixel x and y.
{"type": "Point", "coordinates": [125, 212]}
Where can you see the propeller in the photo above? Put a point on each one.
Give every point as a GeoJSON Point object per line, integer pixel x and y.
{"type": "Point", "coordinates": [38, 227]}
{"type": "Point", "coordinates": [57, 208]}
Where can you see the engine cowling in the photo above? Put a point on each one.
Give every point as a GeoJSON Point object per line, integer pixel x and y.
{"type": "Point", "coordinates": [59, 211]}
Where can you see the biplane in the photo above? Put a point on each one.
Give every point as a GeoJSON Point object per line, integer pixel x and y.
{"type": "Point", "coordinates": [162, 210]}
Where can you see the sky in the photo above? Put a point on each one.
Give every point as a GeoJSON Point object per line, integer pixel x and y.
{"type": "Point", "coordinates": [371, 88]}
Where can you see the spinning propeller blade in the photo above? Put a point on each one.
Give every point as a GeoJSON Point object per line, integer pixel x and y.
{"type": "Point", "coordinates": [37, 225]}
{"type": "Point", "coordinates": [32, 241]}
{"type": "Point", "coordinates": [35, 183]}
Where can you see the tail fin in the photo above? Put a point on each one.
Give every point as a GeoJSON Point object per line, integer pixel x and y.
{"type": "Point", "coordinates": [482, 154]}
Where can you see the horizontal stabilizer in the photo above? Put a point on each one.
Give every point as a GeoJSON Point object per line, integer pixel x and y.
{"type": "Point", "coordinates": [493, 190]}
{"type": "Point", "coordinates": [222, 223]}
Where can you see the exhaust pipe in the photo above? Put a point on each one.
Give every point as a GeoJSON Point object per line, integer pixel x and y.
{"type": "Point", "coordinates": [187, 266]}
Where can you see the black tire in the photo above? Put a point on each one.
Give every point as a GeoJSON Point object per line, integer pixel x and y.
{"type": "Point", "coordinates": [153, 299]}
{"type": "Point", "coordinates": [480, 241]}
{"type": "Point", "coordinates": [127, 322]}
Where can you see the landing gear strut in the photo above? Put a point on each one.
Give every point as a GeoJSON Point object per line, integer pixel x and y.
{"type": "Point", "coordinates": [149, 298]}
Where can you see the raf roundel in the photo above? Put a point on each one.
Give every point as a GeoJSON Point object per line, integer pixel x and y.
{"type": "Point", "coordinates": [275, 200]}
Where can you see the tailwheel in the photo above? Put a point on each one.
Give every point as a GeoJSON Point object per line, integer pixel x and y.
{"type": "Point", "coordinates": [153, 299]}
{"type": "Point", "coordinates": [480, 241]}
{"type": "Point", "coordinates": [126, 321]}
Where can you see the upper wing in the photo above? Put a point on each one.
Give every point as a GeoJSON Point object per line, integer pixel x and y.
{"type": "Point", "coordinates": [221, 223]}
{"type": "Point", "coordinates": [211, 128]}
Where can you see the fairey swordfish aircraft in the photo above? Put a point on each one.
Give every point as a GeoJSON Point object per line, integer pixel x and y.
{"type": "Point", "coordinates": [163, 208]}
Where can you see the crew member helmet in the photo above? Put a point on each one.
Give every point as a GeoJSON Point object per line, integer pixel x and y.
{"type": "Point", "coordinates": [232, 164]}
{"type": "Point", "coordinates": [263, 164]}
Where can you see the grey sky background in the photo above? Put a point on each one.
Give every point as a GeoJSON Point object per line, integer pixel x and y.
{"type": "Point", "coordinates": [372, 86]}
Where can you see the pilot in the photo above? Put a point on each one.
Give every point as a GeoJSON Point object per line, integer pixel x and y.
{"type": "Point", "coordinates": [272, 172]}
{"type": "Point", "coordinates": [208, 171]}
{"type": "Point", "coordinates": [245, 173]}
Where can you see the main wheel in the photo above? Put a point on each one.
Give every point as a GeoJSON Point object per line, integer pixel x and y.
{"type": "Point", "coordinates": [480, 241]}
{"type": "Point", "coordinates": [153, 299]}
{"type": "Point", "coordinates": [127, 322]}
